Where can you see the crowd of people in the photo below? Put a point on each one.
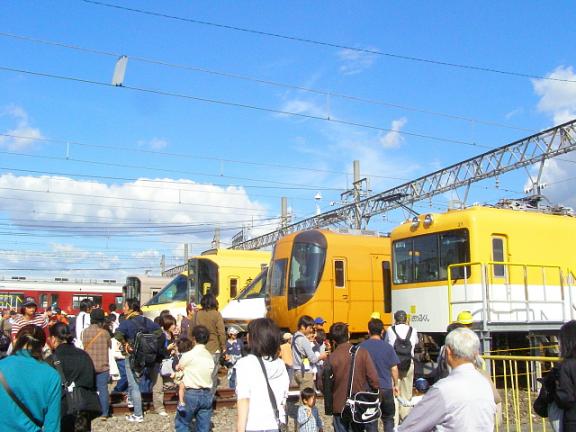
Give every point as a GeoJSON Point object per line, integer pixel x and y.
{"type": "Point", "coordinates": [70, 365]}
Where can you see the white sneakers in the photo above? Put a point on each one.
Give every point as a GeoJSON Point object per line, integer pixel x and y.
{"type": "Point", "coordinates": [135, 418]}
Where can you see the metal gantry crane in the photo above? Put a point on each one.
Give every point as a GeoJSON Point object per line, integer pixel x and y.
{"type": "Point", "coordinates": [528, 151]}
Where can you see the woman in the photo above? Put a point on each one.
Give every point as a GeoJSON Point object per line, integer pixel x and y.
{"type": "Point", "coordinates": [566, 386]}
{"type": "Point", "coordinates": [28, 316]}
{"type": "Point", "coordinates": [33, 382]}
{"type": "Point", "coordinates": [256, 411]}
{"type": "Point", "coordinates": [168, 324]}
{"type": "Point", "coordinates": [77, 368]}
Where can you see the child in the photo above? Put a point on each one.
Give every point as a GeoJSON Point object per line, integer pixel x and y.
{"type": "Point", "coordinates": [182, 345]}
{"type": "Point", "coordinates": [233, 354]}
{"type": "Point", "coordinates": [308, 417]}
{"type": "Point", "coordinates": [421, 386]}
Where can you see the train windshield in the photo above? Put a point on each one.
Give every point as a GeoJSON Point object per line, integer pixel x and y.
{"type": "Point", "coordinates": [306, 267]}
{"type": "Point", "coordinates": [426, 258]}
{"type": "Point", "coordinates": [256, 289]}
{"type": "Point", "coordinates": [203, 276]}
{"type": "Point", "coordinates": [132, 288]}
{"type": "Point", "coordinates": [176, 290]}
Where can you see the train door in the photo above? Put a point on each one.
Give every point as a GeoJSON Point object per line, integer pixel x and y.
{"type": "Point", "coordinates": [381, 287]}
{"type": "Point", "coordinates": [340, 290]}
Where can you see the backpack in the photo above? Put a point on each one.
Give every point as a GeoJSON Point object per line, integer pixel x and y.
{"type": "Point", "coordinates": [147, 348]}
{"type": "Point", "coordinates": [403, 348]}
{"type": "Point", "coordinates": [4, 341]}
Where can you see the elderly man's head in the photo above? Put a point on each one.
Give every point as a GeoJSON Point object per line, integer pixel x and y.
{"type": "Point", "coordinates": [462, 346]}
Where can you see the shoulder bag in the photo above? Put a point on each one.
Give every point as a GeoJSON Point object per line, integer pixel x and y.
{"type": "Point", "coordinates": [361, 407]}
{"type": "Point", "coordinates": [282, 427]}
{"type": "Point", "coordinates": [78, 399]}
{"type": "Point", "coordinates": [18, 402]}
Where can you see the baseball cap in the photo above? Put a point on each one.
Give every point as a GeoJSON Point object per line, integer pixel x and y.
{"type": "Point", "coordinates": [232, 331]}
{"type": "Point", "coordinates": [319, 320]}
{"type": "Point", "coordinates": [375, 315]}
{"type": "Point", "coordinates": [286, 336]}
{"type": "Point", "coordinates": [29, 302]}
{"type": "Point", "coordinates": [422, 385]}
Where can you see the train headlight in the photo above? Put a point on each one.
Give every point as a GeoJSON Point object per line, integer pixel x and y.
{"type": "Point", "coordinates": [415, 222]}
{"type": "Point", "coordinates": [428, 220]}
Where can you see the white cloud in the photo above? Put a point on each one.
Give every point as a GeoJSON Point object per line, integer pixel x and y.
{"type": "Point", "coordinates": [557, 98]}
{"type": "Point", "coordinates": [394, 139]}
{"type": "Point", "coordinates": [355, 62]}
{"type": "Point", "coordinates": [301, 106]}
{"type": "Point", "coordinates": [22, 136]}
{"type": "Point", "coordinates": [155, 144]}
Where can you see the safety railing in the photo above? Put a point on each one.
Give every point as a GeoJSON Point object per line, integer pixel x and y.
{"type": "Point", "coordinates": [515, 378]}
{"type": "Point", "coordinates": [508, 292]}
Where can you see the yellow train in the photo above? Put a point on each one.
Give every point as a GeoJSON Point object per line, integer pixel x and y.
{"type": "Point", "coordinates": [340, 277]}
{"type": "Point", "coordinates": [224, 272]}
{"type": "Point", "coordinates": [510, 268]}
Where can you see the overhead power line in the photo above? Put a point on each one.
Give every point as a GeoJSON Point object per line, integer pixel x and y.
{"type": "Point", "coordinates": [246, 106]}
{"type": "Point", "coordinates": [330, 44]}
{"type": "Point", "coordinates": [325, 93]}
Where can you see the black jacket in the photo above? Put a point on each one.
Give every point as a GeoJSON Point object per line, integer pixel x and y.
{"type": "Point", "coordinates": [76, 365]}
{"type": "Point", "coordinates": [566, 393]}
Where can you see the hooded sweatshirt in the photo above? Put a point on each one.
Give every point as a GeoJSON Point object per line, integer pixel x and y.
{"type": "Point", "coordinates": [251, 384]}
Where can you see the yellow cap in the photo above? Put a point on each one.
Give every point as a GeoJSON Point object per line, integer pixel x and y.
{"type": "Point", "coordinates": [375, 315]}
{"type": "Point", "coordinates": [465, 318]}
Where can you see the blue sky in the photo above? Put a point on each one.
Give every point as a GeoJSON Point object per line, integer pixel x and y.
{"type": "Point", "coordinates": [101, 181]}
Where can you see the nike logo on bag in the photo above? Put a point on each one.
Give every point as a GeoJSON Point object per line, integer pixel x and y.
{"type": "Point", "coordinates": [368, 413]}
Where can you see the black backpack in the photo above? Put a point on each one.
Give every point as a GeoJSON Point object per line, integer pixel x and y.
{"type": "Point", "coordinates": [147, 347]}
{"type": "Point", "coordinates": [403, 348]}
{"type": "Point", "coordinates": [4, 341]}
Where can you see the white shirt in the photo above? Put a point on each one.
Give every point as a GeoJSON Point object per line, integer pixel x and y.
{"type": "Point", "coordinates": [251, 384]}
{"type": "Point", "coordinates": [463, 401]}
{"type": "Point", "coordinates": [82, 322]}
{"type": "Point", "coordinates": [402, 330]}
{"type": "Point", "coordinates": [198, 365]}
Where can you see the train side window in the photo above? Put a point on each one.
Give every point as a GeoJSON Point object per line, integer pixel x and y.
{"type": "Point", "coordinates": [54, 300]}
{"type": "Point", "coordinates": [233, 287]}
{"type": "Point", "coordinates": [498, 256]}
{"type": "Point", "coordinates": [96, 300]}
{"type": "Point", "coordinates": [387, 282]}
{"type": "Point", "coordinates": [278, 277]}
{"type": "Point", "coordinates": [119, 300]}
{"type": "Point", "coordinates": [339, 276]}
{"type": "Point", "coordinates": [43, 300]}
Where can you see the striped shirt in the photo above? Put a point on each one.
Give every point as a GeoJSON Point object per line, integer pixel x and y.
{"type": "Point", "coordinates": [38, 320]}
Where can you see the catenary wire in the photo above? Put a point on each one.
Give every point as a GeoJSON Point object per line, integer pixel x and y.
{"type": "Point", "coordinates": [330, 44]}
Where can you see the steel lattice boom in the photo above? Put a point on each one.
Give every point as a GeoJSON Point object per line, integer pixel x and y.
{"type": "Point", "coordinates": [533, 149]}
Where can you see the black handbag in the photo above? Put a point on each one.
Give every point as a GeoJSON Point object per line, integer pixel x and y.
{"type": "Point", "coordinates": [361, 407]}
{"type": "Point", "coordinates": [78, 399]}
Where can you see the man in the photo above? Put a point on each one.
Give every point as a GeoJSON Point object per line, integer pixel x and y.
{"type": "Point", "coordinates": [112, 309]}
{"type": "Point", "coordinates": [339, 362]}
{"type": "Point", "coordinates": [82, 320]}
{"type": "Point", "coordinates": [400, 336]}
{"type": "Point", "coordinates": [96, 342]}
{"type": "Point", "coordinates": [302, 353]}
{"type": "Point", "coordinates": [386, 362]}
{"type": "Point", "coordinates": [28, 315]}
{"type": "Point", "coordinates": [125, 334]}
{"type": "Point", "coordinates": [464, 400]}
{"type": "Point", "coordinates": [197, 365]}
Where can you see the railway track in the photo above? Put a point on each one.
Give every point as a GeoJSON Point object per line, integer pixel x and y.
{"type": "Point", "coordinates": [225, 398]}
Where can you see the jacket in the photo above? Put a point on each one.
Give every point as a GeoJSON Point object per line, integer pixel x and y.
{"type": "Point", "coordinates": [212, 320]}
{"type": "Point", "coordinates": [37, 385]}
{"type": "Point", "coordinates": [365, 374]}
{"type": "Point", "coordinates": [566, 393]}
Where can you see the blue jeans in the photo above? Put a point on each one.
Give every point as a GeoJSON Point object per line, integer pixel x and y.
{"type": "Point", "coordinates": [341, 425]}
{"type": "Point", "coordinates": [134, 390]}
{"type": "Point", "coordinates": [122, 384]}
{"type": "Point", "coordinates": [199, 406]}
{"type": "Point", "coordinates": [102, 379]}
